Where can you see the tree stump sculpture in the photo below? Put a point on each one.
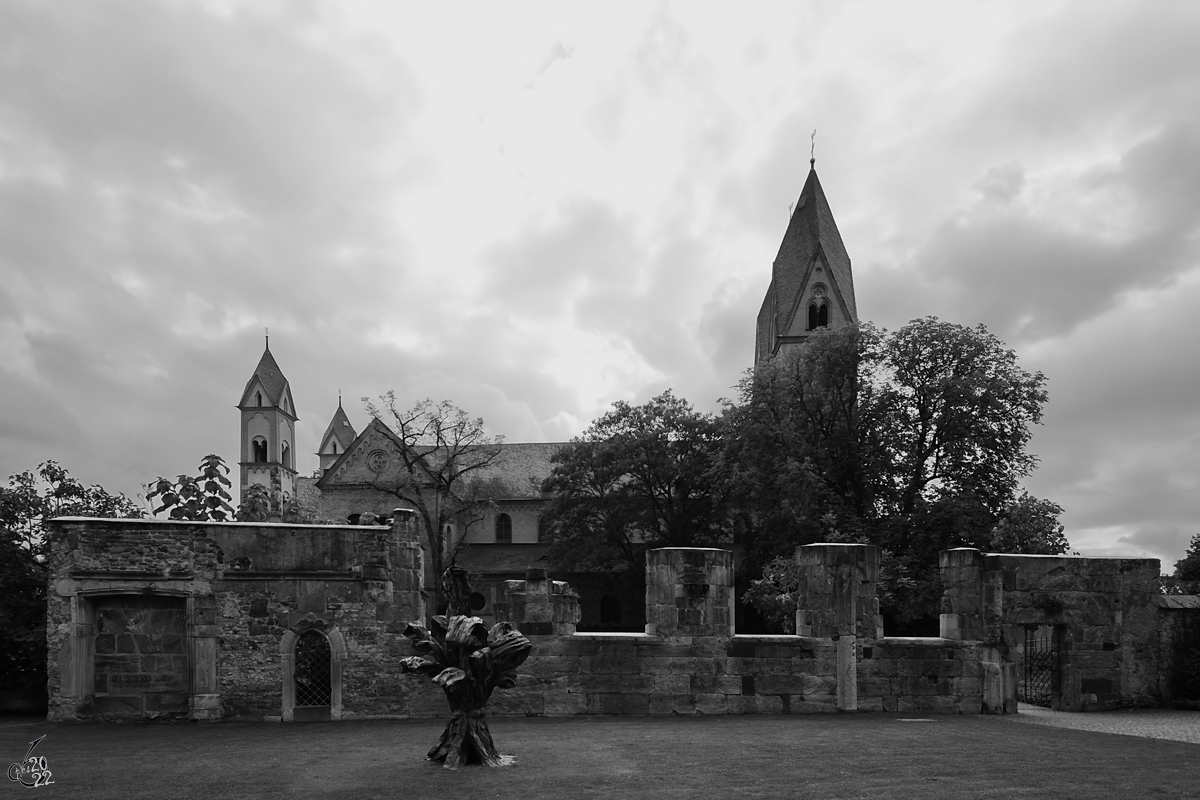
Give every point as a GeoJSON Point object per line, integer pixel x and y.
{"type": "Point", "coordinates": [468, 661]}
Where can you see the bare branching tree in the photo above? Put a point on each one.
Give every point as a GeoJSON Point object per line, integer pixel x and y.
{"type": "Point", "coordinates": [443, 457]}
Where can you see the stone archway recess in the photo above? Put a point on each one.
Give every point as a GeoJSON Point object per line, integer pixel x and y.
{"type": "Point", "coordinates": [287, 655]}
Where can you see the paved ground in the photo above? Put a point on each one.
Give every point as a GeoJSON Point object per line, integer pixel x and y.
{"type": "Point", "coordinates": [1151, 723]}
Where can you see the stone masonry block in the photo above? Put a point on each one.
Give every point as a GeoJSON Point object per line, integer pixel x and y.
{"type": "Point", "coordinates": [710, 703]}
{"type": "Point", "coordinates": [672, 684]}
{"type": "Point", "coordinates": [813, 704]}
{"type": "Point", "coordinates": [564, 704]}
{"type": "Point", "coordinates": [621, 704]}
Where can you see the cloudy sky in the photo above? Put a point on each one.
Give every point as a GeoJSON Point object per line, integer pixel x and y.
{"type": "Point", "coordinates": [536, 210]}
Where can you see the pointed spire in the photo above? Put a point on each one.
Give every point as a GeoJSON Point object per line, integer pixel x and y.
{"type": "Point", "coordinates": [340, 430]}
{"type": "Point", "coordinates": [271, 378]}
{"type": "Point", "coordinates": [812, 235]}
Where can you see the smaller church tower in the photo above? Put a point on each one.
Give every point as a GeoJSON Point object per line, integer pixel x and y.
{"type": "Point", "coordinates": [811, 285]}
{"type": "Point", "coordinates": [268, 430]}
{"type": "Point", "coordinates": [337, 438]}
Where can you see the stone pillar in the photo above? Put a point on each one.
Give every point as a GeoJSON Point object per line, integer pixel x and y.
{"type": "Point", "coordinates": [962, 595]}
{"type": "Point", "coordinates": [689, 592]}
{"type": "Point", "coordinates": [408, 567]}
{"type": "Point", "coordinates": [838, 600]}
{"type": "Point", "coordinates": [538, 606]}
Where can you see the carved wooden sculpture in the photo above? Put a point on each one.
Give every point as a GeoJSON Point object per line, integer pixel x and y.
{"type": "Point", "coordinates": [468, 661]}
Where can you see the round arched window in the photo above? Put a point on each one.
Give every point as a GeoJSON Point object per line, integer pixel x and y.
{"type": "Point", "coordinates": [503, 528]}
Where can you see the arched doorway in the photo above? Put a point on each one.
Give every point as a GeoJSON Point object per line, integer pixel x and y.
{"type": "Point", "coordinates": [313, 678]}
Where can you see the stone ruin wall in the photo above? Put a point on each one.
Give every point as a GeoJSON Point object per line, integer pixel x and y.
{"type": "Point", "coordinates": [242, 592]}
{"type": "Point", "coordinates": [1103, 613]}
{"type": "Point", "coordinates": [236, 590]}
{"type": "Point", "coordinates": [691, 662]}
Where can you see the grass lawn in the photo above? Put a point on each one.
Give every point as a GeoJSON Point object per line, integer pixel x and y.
{"type": "Point", "coordinates": [866, 755]}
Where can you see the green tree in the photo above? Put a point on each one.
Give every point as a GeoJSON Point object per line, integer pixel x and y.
{"type": "Point", "coordinates": [204, 497]}
{"type": "Point", "coordinates": [444, 454]}
{"type": "Point", "coordinates": [1029, 525]}
{"type": "Point", "coordinates": [796, 458]}
{"type": "Point", "coordinates": [1187, 569]}
{"type": "Point", "coordinates": [31, 498]}
{"type": "Point", "coordinates": [640, 476]}
{"type": "Point", "coordinates": [913, 440]}
{"type": "Point", "coordinates": [954, 413]}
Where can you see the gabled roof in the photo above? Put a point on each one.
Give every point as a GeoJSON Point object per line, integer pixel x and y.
{"type": "Point", "coordinates": [810, 231]}
{"type": "Point", "coordinates": [518, 469]}
{"type": "Point", "coordinates": [340, 430]}
{"type": "Point", "coordinates": [271, 377]}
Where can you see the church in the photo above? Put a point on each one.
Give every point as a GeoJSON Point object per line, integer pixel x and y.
{"type": "Point", "coordinates": [811, 287]}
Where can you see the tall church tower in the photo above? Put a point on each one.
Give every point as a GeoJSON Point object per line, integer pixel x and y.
{"type": "Point", "coordinates": [811, 284]}
{"type": "Point", "coordinates": [268, 430]}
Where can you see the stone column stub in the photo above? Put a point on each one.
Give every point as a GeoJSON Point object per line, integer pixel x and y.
{"type": "Point", "coordinates": [689, 592]}
{"type": "Point", "coordinates": [838, 593]}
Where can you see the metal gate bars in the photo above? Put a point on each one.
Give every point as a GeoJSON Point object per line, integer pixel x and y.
{"type": "Point", "coordinates": [1041, 666]}
{"type": "Point", "coordinates": [314, 685]}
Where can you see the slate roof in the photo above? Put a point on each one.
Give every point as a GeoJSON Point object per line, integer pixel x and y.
{"type": "Point", "coordinates": [343, 434]}
{"type": "Point", "coordinates": [810, 229]}
{"type": "Point", "coordinates": [520, 467]}
{"type": "Point", "coordinates": [271, 377]}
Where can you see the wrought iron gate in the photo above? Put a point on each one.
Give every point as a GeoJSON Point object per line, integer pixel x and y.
{"type": "Point", "coordinates": [1041, 666]}
{"type": "Point", "coordinates": [314, 684]}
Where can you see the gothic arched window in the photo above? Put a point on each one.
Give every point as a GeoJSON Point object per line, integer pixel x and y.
{"type": "Point", "coordinates": [818, 315]}
{"type": "Point", "coordinates": [258, 449]}
{"type": "Point", "coordinates": [286, 456]}
{"type": "Point", "coordinates": [503, 528]}
{"type": "Point", "coordinates": [258, 399]}
{"type": "Point", "coordinates": [543, 528]}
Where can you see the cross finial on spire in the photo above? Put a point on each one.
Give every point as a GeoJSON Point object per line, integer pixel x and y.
{"type": "Point", "coordinates": [339, 398]}
{"type": "Point", "coordinates": [812, 151]}
{"type": "Point", "coordinates": [267, 336]}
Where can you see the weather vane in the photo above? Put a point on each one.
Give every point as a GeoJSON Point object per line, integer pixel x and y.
{"type": "Point", "coordinates": [812, 151]}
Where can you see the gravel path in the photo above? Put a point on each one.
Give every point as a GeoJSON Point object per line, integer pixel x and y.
{"type": "Point", "coordinates": [1151, 723]}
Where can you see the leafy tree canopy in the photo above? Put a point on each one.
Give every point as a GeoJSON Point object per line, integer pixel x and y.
{"type": "Point", "coordinates": [1187, 569]}
{"type": "Point", "coordinates": [914, 440]}
{"type": "Point", "coordinates": [204, 497]}
{"type": "Point", "coordinates": [640, 476]}
{"type": "Point", "coordinates": [31, 498]}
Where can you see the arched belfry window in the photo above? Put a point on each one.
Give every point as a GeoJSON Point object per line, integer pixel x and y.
{"type": "Point", "coordinates": [503, 528]}
{"type": "Point", "coordinates": [818, 309]}
{"type": "Point", "coordinates": [818, 315]}
{"type": "Point", "coordinates": [258, 399]}
{"type": "Point", "coordinates": [258, 449]}
{"type": "Point", "coordinates": [286, 455]}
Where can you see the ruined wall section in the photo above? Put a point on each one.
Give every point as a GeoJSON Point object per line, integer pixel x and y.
{"type": "Point", "coordinates": [1179, 647]}
{"type": "Point", "coordinates": [241, 590]}
{"type": "Point", "coordinates": [1102, 611]}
